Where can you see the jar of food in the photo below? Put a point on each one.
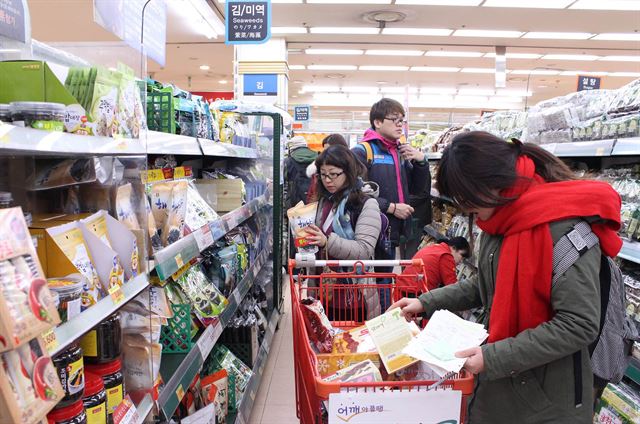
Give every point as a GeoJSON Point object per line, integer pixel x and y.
{"type": "Point", "coordinates": [38, 115]}
{"type": "Point", "coordinates": [70, 367]}
{"type": "Point", "coordinates": [69, 290]}
{"type": "Point", "coordinates": [5, 199]}
{"type": "Point", "coordinates": [72, 414]}
{"type": "Point", "coordinates": [104, 342]}
{"type": "Point", "coordinates": [95, 399]}
{"type": "Point", "coordinates": [111, 373]}
{"type": "Point", "coordinates": [5, 113]}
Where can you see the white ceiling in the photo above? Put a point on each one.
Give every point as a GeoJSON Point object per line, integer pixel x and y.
{"type": "Point", "coordinates": [187, 50]}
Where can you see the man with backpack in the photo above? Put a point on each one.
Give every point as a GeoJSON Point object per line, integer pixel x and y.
{"type": "Point", "coordinates": [295, 170]}
{"type": "Point", "coordinates": [399, 170]}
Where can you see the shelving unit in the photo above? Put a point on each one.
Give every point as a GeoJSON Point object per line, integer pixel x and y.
{"type": "Point", "coordinates": [633, 372]}
{"type": "Point", "coordinates": [630, 251]}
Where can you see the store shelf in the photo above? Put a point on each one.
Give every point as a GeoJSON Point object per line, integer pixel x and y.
{"type": "Point", "coordinates": [627, 147]}
{"type": "Point", "coordinates": [585, 148]}
{"type": "Point", "coordinates": [159, 143]}
{"type": "Point", "coordinates": [80, 324]}
{"type": "Point", "coordinates": [630, 251]}
{"type": "Point", "coordinates": [144, 407]}
{"type": "Point", "coordinates": [172, 258]}
{"type": "Point", "coordinates": [212, 148]}
{"type": "Point", "coordinates": [28, 141]}
{"type": "Point", "coordinates": [246, 405]}
{"type": "Point", "coordinates": [633, 372]}
{"type": "Point", "coordinates": [179, 370]}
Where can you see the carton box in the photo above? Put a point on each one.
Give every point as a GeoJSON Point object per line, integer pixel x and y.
{"type": "Point", "coordinates": [229, 193]}
{"type": "Point", "coordinates": [54, 262]}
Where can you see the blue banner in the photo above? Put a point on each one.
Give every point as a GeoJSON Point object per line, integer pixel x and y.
{"type": "Point", "coordinates": [260, 85]}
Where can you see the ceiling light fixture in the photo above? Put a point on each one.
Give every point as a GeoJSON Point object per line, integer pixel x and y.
{"type": "Point", "coordinates": [344, 30]}
{"type": "Point", "coordinates": [200, 15]}
{"type": "Point", "coordinates": [383, 68]}
{"type": "Point", "coordinates": [607, 5]}
{"type": "Point", "coordinates": [487, 33]}
{"type": "Point", "coordinates": [394, 52]}
{"type": "Point", "coordinates": [332, 67]}
{"type": "Point", "coordinates": [620, 58]}
{"type": "Point", "coordinates": [517, 55]}
{"type": "Point", "coordinates": [359, 89]}
{"type": "Point", "coordinates": [442, 53]}
{"type": "Point", "coordinates": [476, 91]}
{"type": "Point", "coordinates": [204, 67]}
{"type": "Point", "coordinates": [478, 70]}
{"type": "Point", "coordinates": [288, 30]}
{"type": "Point", "coordinates": [429, 32]}
{"type": "Point", "coordinates": [535, 72]}
{"type": "Point", "coordinates": [574, 73]}
{"type": "Point", "coordinates": [501, 67]}
{"type": "Point", "coordinates": [223, 82]}
{"type": "Point", "coordinates": [507, 92]}
{"type": "Point", "coordinates": [441, 2]}
{"type": "Point", "coordinates": [399, 90]}
{"type": "Point", "coordinates": [346, 52]}
{"type": "Point", "coordinates": [438, 90]}
{"type": "Point", "coordinates": [10, 50]}
{"type": "Point", "coordinates": [297, 67]}
{"type": "Point", "coordinates": [320, 89]}
{"type": "Point", "coordinates": [558, 35]}
{"type": "Point", "coordinates": [625, 74]}
{"type": "Point", "coordinates": [433, 69]}
{"type": "Point", "coordinates": [585, 57]}
{"type": "Point", "coordinates": [349, 1]}
{"type": "Point", "coordinates": [533, 4]}
{"type": "Point", "coordinates": [617, 36]}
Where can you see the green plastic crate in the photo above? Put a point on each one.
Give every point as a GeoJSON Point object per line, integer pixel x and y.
{"type": "Point", "coordinates": [160, 112]}
{"type": "Point", "coordinates": [176, 335]}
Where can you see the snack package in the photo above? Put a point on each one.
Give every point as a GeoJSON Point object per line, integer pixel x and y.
{"type": "Point", "coordinates": [97, 224]}
{"type": "Point", "coordinates": [357, 340]}
{"type": "Point", "coordinates": [172, 230]}
{"type": "Point", "coordinates": [124, 207]}
{"type": "Point", "coordinates": [205, 298]}
{"type": "Point", "coordinates": [64, 173]}
{"type": "Point", "coordinates": [300, 217]}
{"type": "Point", "coordinates": [140, 364]}
{"type": "Point", "coordinates": [154, 234]}
{"type": "Point", "coordinates": [160, 198]}
{"type": "Point", "coordinates": [319, 328]}
{"type": "Point", "coordinates": [69, 239]}
{"type": "Point", "coordinates": [198, 213]}
{"type": "Point", "coordinates": [130, 112]}
{"type": "Point", "coordinates": [237, 370]}
{"type": "Point", "coordinates": [103, 102]}
{"type": "Point", "coordinates": [216, 386]}
{"type": "Point", "coordinates": [363, 372]}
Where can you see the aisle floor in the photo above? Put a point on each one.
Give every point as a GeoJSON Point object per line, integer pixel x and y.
{"type": "Point", "coordinates": [276, 399]}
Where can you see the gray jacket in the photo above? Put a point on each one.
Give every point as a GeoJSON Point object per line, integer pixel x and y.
{"type": "Point", "coordinates": [529, 378]}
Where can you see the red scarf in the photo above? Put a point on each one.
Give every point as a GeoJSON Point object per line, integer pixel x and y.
{"type": "Point", "coordinates": [523, 287]}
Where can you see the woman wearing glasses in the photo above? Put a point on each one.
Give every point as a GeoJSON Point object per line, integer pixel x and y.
{"type": "Point", "coordinates": [348, 219]}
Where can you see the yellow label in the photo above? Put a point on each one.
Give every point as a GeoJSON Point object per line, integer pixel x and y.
{"type": "Point", "coordinates": [116, 294]}
{"type": "Point", "coordinates": [179, 261]}
{"type": "Point", "coordinates": [181, 271]}
{"type": "Point", "coordinates": [50, 340]}
{"type": "Point", "coordinates": [600, 151]}
{"type": "Point", "coordinates": [75, 377]}
{"type": "Point", "coordinates": [178, 172]}
{"type": "Point", "coordinates": [89, 344]}
{"type": "Point", "coordinates": [180, 392]}
{"type": "Point", "coordinates": [114, 397]}
{"type": "Point", "coordinates": [153, 175]}
{"type": "Point", "coordinates": [97, 414]}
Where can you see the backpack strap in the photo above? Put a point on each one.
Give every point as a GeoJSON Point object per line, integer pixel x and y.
{"type": "Point", "coordinates": [571, 247]}
{"type": "Point", "coordinates": [368, 151]}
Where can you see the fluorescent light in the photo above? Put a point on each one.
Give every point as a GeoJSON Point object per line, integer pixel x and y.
{"type": "Point", "coordinates": [621, 58]}
{"type": "Point", "coordinates": [534, 4]}
{"type": "Point", "coordinates": [349, 1]}
{"type": "Point", "coordinates": [332, 67]}
{"type": "Point", "coordinates": [320, 89]}
{"type": "Point", "coordinates": [222, 82]}
{"type": "Point", "coordinates": [476, 91]}
{"type": "Point", "coordinates": [607, 5]}
{"type": "Point", "coordinates": [200, 16]}
{"type": "Point", "coordinates": [352, 52]}
{"type": "Point", "coordinates": [507, 92]}
{"type": "Point", "coordinates": [9, 50]}
{"type": "Point", "coordinates": [558, 35]}
{"type": "Point", "coordinates": [297, 67]}
{"type": "Point", "coordinates": [433, 69]}
{"type": "Point", "coordinates": [470, 99]}
{"type": "Point", "coordinates": [487, 33]}
{"type": "Point", "coordinates": [501, 99]}
{"type": "Point", "coordinates": [360, 89]}
{"type": "Point", "coordinates": [574, 73]}
{"type": "Point", "coordinates": [344, 30]}
{"type": "Point", "coordinates": [535, 72]}
{"type": "Point", "coordinates": [617, 36]}
{"type": "Point", "coordinates": [394, 52]}
{"type": "Point", "coordinates": [438, 90]}
{"type": "Point", "coordinates": [586, 57]}
{"type": "Point", "coordinates": [625, 74]}
{"type": "Point", "coordinates": [441, 53]}
{"type": "Point", "coordinates": [383, 68]}
{"type": "Point", "coordinates": [432, 32]}
{"type": "Point", "coordinates": [288, 30]}
{"type": "Point", "coordinates": [517, 55]}
{"type": "Point", "coordinates": [478, 70]}
{"type": "Point", "coordinates": [204, 67]}
{"type": "Point", "coordinates": [399, 90]}
{"type": "Point", "coordinates": [441, 2]}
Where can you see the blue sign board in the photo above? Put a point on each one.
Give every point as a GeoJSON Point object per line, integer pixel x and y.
{"type": "Point", "coordinates": [13, 20]}
{"type": "Point", "coordinates": [123, 18]}
{"type": "Point", "coordinates": [302, 113]}
{"type": "Point", "coordinates": [260, 85]}
{"type": "Point", "coordinates": [588, 83]}
{"type": "Point", "coordinates": [248, 21]}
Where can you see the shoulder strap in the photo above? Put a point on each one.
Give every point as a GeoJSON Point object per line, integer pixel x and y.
{"type": "Point", "coordinates": [571, 247]}
{"type": "Point", "coordinates": [368, 150]}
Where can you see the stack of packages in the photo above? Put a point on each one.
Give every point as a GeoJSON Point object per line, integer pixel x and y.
{"type": "Point", "coordinates": [504, 124]}
{"type": "Point", "coordinates": [626, 181]}
{"type": "Point", "coordinates": [619, 403]}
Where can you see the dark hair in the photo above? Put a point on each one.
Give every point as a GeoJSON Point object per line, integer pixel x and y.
{"type": "Point", "coordinates": [334, 140]}
{"type": "Point", "coordinates": [382, 108]}
{"type": "Point", "coordinates": [341, 157]}
{"type": "Point", "coordinates": [477, 163]}
{"type": "Point", "coordinates": [461, 245]}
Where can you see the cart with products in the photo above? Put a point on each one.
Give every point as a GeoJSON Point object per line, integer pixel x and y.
{"type": "Point", "coordinates": [341, 289]}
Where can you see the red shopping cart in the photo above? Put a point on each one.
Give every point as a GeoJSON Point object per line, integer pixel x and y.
{"type": "Point", "coordinates": [342, 296]}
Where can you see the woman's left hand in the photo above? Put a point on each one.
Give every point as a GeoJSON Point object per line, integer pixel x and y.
{"type": "Point", "coordinates": [316, 237]}
{"type": "Point", "coordinates": [475, 361]}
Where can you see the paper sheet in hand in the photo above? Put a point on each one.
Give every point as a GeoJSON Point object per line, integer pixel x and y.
{"type": "Point", "coordinates": [444, 335]}
{"type": "Point", "coordinates": [391, 333]}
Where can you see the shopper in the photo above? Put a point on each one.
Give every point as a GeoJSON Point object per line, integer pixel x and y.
{"type": "Point", "coordinates": [295, 167]}
{"type": "Point", "coordinates": [440, 262]}
{"type": "Point", "coordinates": [398, 169]}
{"type": "Point", "coordinates": [535, 367]}
{"type": "Point", "coordinates": [312, 171]}
{"type": "Point", "coordinates": [348, 220]}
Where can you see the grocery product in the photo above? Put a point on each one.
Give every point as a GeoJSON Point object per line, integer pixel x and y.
{"type": "Point", "coordinates": [241, 374]}
{"type": "Point", "coordinates": [5, 199]}
{"type": "Point", "coordinates": [362, 372]}
{"type": "Point", "coordinates": [94, 399]}
{"type": "Point", "coordinates": [300, 217]}
{"type": "Point", "coordinates": [124, 207]}
{"type": "Point", "coordinates": [70, 366]}
{"type": "Point", "coordinates": [5, 113]}
{"type": "Point", "coordinates": [38, 115]}
{"type": "Point", "coordinates": [319, 328]}
{"type": "Point", "coordinates": [218, 383]}
{"type": "Point", "coordinates": [111, 374]}
{"type": "Point", "coordinates": [177, 210]}
{"type": "Point", "coordinates": [204, 297]}
{"type": "Point", "coordinates": [72, 414]}
{"type": "Point", "coordinates": [103, 343]}
{"type": "Point", "coordinates": [70, 293]}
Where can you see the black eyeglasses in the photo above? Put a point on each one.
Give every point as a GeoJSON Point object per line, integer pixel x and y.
{"type": "Point", "coordinates": [398, 121]}
{"type": "Point", "coordinates": [331, 176]}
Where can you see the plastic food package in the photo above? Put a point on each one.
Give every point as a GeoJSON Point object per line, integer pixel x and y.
{"type": "Point", "coordinates": [198, 212]}
{"type": "Point", "coordinates": [103, 102]}
{"type": "Point", "coordinates": [319, 328]}
{"type": "Point", "coordinates": [172, 230]}
{"type": "Point", "coordinates": [141, 363]}
{"type": "Point", "coordinates": [205, 298]}
{"type": "Point", "coordinates": [236, 369]}
{"type": "Point", "coordinates": [218, 383]}
{"type": "Point", "coordinates": [363, 372]}
{"type": "Point", "coordinates": [124, 207]}
{"type": "Point", "coordinates": [357, 340]}
{"type": "Point", "coordinates": [97, 224]}
{"type": "Point", "coordinates": [300, 217]}
{"type": "Point", "coordinates": [64, 173]}
{"type": "Point", "coordinates": [160, 198]}
{"type": "Point", "coordinates": [154, 234]}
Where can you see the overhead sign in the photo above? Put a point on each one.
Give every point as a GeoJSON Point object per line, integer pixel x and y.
{"type": "Point", "coordinates": [13, 19]}
{"type": "Point", "coordinates": [588, 83]}
{"type": "Point", "coordinates": [123, 18]}
{"type": "Point", "coordinates": [384, 407]}
{"type": "Point", "coordinates": [260, 85]}
{"type": "Point", "coordinates": [302, 113]}
{"type": "Point", "coordinates": [248, 22]}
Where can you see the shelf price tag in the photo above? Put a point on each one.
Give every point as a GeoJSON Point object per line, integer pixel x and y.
{"type": "Point", "coordinates": [204, 237]}
{"type": "Point", "coordinates": [208, 339]}
{"type": "Point", "coordinates": [600, 151]}
{"type": "Point", "coordinates": [50, 340]}
{"type": "Point", "coordinates": [179, 392]}
{"type": "Point", "coordinates": [179, 260]}
{"type": "Point", "coordinates": [116, 294]}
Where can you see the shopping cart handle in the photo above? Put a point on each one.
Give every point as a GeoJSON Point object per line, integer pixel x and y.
{"type": "Point", "coordinates": [305, 260]}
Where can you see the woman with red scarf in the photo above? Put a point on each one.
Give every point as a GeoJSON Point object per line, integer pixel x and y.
{"type": "Point", "coordinates": [525, 200]}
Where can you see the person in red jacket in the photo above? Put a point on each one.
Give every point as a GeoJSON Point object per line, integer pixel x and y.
{"type": "Point", "coordinates": [440, 261]}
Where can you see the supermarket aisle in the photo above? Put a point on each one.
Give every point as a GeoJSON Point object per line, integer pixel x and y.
{"type": "Point", "coordinates": [276, 399]}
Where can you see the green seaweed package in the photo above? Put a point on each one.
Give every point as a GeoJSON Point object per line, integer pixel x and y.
{"type": "Point", "coordinates": [130, 112]}
{"type": "Point", "coordinates": [104, 102]}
